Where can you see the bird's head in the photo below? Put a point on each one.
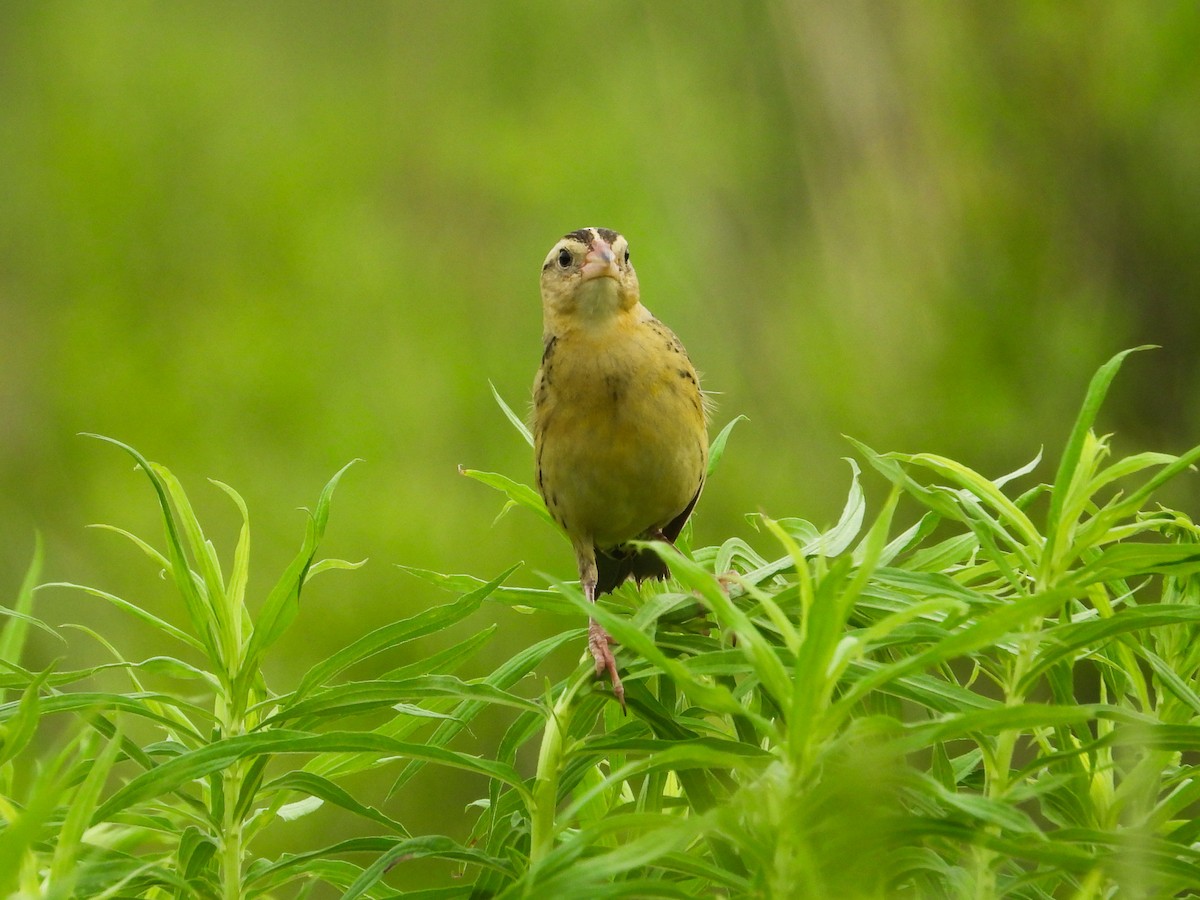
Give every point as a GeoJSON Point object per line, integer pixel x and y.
{"type": "Point", "coordinates": [587, 275]}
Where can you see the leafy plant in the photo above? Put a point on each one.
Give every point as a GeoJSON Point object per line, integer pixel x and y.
{"type": "Point", "coordinates": [190, 803]}
{"type": "Point", "coordinates": [996, 700]}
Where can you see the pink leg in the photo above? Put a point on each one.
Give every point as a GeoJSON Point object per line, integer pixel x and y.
{"type": "Point", "coordinates": [599, 640]}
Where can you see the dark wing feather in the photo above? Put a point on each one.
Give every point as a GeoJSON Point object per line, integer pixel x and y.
{"type": "Point", "coordinates": [671, 530]}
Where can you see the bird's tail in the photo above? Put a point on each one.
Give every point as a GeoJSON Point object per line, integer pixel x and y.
{"type": "Point", "coordinates": [617, 564]}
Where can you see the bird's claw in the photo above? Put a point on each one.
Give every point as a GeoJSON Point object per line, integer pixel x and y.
{"type": "Point", "coordinates": [599, 641]}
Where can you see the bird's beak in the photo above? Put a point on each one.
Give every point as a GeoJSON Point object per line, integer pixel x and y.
{"type": "Point", "coordinates": [600, 262]}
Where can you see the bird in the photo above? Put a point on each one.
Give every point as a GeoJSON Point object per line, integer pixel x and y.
{"type": "Point", "coordinates": [620, 424]}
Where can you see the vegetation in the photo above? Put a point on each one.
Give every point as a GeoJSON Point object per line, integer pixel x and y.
{"type": "Point", "coordinates": [255, 241]}
{"type": "Point", "coordinates": [997, 700]}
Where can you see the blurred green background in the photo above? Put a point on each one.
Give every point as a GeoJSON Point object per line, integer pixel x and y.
{"type": "Point", "coordinates": [258, 240]}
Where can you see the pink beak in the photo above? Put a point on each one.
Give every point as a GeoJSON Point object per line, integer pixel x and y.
{"type": "Point", "coordinates": [600, 262]}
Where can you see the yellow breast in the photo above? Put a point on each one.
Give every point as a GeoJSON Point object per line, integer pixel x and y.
{"type": "Point", "coordinates": [619, 429]}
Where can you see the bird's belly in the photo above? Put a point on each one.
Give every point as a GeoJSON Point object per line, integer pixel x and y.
{"type": "Point", "coordinates": [617, 467]}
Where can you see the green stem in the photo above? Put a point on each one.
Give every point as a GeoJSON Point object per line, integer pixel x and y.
{"type": "Point", "coordinates": [232, 837]}
{"type": "Point", "coordinates": [550, 766]}
{"type": "Point", "coordinates": [231, 863]}
{"type": "Point", "coordinates": [998, 773]}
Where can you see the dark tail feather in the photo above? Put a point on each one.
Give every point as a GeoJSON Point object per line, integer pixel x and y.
{"type": "Point", "coordinates": [615, 566]}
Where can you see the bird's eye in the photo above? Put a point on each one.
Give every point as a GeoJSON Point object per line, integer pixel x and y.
{"type": "Point", "coordinates": [565, 258]}
{"type": "Point", "coordinates": [626, 256]}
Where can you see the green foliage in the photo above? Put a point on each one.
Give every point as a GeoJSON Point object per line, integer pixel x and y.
{"type": "Point", "coordinates": [228, 225]}
{"type": "Point", "coordinates": [997, 700]}
{"type": "Point", "coordinates": [183, 811]}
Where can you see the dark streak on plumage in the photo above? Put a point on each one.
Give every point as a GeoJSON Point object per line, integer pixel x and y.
{"type": "Point", "coordinates": [616, 387]}
{"type": "Point", "coordinates": [607, 235]}
{"type": "Point", "coordinates": [583, 235]}
{"type": "Point", "coordinates": [544, 375]}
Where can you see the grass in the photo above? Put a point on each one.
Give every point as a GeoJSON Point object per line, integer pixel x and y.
{"type": "Point", "coordinates": [997, 700]}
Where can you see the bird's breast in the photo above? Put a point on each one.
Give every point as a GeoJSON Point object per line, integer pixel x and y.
{"type": "Point", "coordinates": [619, 431]}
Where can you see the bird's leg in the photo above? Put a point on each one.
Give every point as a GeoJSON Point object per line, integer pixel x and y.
{"type": "Point", "coordinates": [599, 640]}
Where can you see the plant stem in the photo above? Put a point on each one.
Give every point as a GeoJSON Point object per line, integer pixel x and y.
{"type": "Point", "coordinates": [232, 837]}
{"type": "Point", "coordinates": [231, 864]}
{"type": "Point", "coordinates": [998, 773]}
{"type": "Point", "coordinates": [550, 765]}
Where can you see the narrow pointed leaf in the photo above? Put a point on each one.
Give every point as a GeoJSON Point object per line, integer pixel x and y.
{"type": "Point", "coordinates": [512, 417]}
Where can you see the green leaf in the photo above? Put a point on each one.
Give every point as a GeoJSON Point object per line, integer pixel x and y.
{"type": "Point", "coordinates": [195, 852]}
{"type": "Point", "coordinates": [907, 540]}
{"type": "Point", "coordinates": [205, 556]}
{"type": "Point", "coordinates": [182, 770]}
{"type": "Point", "coordinates": [447, 659]}
{"type": "Point", "coordinates": [715, 697]}
{"type": "Point", "coordinates": [14, 630]}
{"type": "Point", "coordinates": [69, 840]}
{"type": "Point", "coordinates": [1026, 717]}
{"type": "Point", "coordinates": [194, 603]}
{"type": "Point", "coordinates": [1131, 560]}
{"type": "Point", "coordinates": [987, 629]}
{"type": "Point", "coordinates": [504, 677]}
{"type": "Point", "coordinates": [24, 825]}
{"type": "Point", "coordinates": [316, 786]}
{"type": "Point", "coordinates": [330, 565]}
{"type": "Point", "coordinates": [235, 590]}
{"type": "Point", "coordinates": [283, 603]}
{"type": "Point", "coordinates": [263, 877]}
{"type": "Point", "coordinates": [522, 599]}
{"type": "Point", "coordinates": [659, 755]}
{"type": "Point", "coordinates": [13, 618]}
{"type": "Point", "coordinates": [1056, 530]}
{"type": "Point", "coordinates": [152, 554]}
{"type": "Point", "coordinates": [1074, 637]}
{"type": "Point", "coordinates": [516, 420]}
{"type": "Point", "coordinates": [520, 494]}
{"type": "Point", "coordinates": [716, 449]}
{"type": "Point", "coordinates": [357, 697]}
{"type": "Point", "coordinates": [427, 622]}
{"type": "Point", "coordinates": [159, 625]}
{"type": "Point", "coordinates": [643, 839]}
{"type": "Point", "coordinates": [1171, 682]}
{"type": "Point", "coordinates": [1000, 814]}
{"type": "Point", "coordinates": [142, 703]}
{"type": "Point", "coordinates": [835, 541]}
{"type": "Point", "coordinates": [426, 847]}
{"type": "Point", "coordinates": [970, 481]}
{"type": "Point", "coordinates": [18, 729]}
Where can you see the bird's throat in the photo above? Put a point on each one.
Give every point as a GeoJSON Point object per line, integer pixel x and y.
{"type": "Point", "coordinates": [599, 299]}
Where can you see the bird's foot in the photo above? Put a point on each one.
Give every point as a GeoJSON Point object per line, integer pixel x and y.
{"type": "Point", "coordinates": [599, 642]}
